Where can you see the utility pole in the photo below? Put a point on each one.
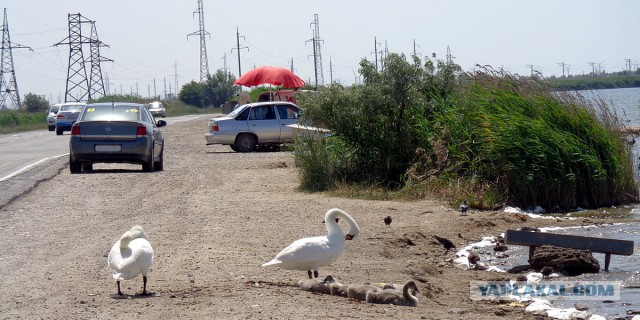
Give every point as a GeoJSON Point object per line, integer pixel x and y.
{"type": "Point", "coordinates": [415, 52]}
{"type": "Point", "coordinates": [225, 68]}
{"type": "Point", "coordinates": [238, 48]}
{"type": "Point", "coordinates": [96, 84]}
{"type": "Point", "coordinates": [531, 67]}
{"type": "Point", "coordinates": [375, 50]}
{"type": "Point", "coordinates": [204, 63]}
{"type": "Point", "coordinates": [627, 64]}
{"type": "Point", "coordinates": [317, 52]}
{"type": "Point", "coordinates": [562, 64]}
{"type": "Point", "coordinates": [291, 68]}
{"type": "Point", "coordinates": [593, 68]}
{"type": "Point", "coordinates": [330, 71]}
{"type": "Point", "coordinates": [9, 89]}
{"type": "Point", "coordinates": [175, 77]}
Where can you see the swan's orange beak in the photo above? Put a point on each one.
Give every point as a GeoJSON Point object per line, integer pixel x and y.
{"type": "Point", "coordinates": [348, 237]}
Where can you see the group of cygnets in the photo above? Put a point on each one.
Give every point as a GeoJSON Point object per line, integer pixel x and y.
{"type": "Point", "coordinates": [383, 293]}
{"type": "Point", "coordinates": [133, 255]}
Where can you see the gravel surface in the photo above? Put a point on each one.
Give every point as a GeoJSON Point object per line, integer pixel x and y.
{"type": "Point", "coordinates": [213, 217]}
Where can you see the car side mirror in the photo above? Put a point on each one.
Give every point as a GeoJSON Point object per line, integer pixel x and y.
{"type": "Point", "coordinates": [161, 123]}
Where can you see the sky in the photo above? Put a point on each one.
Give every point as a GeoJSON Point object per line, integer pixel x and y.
{"type": "Point", "coordinates": [151, 50]}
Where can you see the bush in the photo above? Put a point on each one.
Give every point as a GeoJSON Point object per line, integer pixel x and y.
{"type": "Point", "coordinates": [488, 137]}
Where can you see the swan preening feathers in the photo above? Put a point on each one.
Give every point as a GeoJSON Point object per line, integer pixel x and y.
{"type": "Point", "coordinates": [130, 256]}
{"type": "Point", "coordinates": [314, 252]}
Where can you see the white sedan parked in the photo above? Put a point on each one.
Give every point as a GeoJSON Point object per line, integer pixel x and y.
{"type": "Point", "coordinates": [264, 124]}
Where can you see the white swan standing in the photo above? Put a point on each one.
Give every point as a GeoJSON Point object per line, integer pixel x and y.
{"type": "Point", "coordinates": [131, 256]}
{"type": "Point", "coordinates": [312, 253]}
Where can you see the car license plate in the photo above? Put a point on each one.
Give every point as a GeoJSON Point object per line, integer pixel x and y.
{"type": "Point", "coordinates": [108, 148]}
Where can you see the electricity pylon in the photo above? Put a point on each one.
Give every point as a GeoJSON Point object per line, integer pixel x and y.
{"type": "Point", "coordinates": [9, 89]}
{"type": "Point", "coordinates": [77, 88]}
{"type": "Point", "coordinates": [96, 84]}
{"type": "Point", "coordinates": [204, 62]}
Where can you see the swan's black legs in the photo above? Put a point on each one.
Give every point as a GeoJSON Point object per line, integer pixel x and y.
{"type": "Point", "coordinates": [119, 292]}
{"type": "Point", "coordinates": [310, 275]}
{"type": "Point", "coordinates": [315, 273]}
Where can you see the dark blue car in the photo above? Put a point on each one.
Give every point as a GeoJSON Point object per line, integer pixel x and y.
{"type": "Point", "coordinates": [117, 132]}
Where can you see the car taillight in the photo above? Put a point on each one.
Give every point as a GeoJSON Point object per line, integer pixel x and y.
{"type": "Point", "coordinates": [141, 131]}
{"type": "Point", "coordinates": [214, 127]}
{"type": "Point", "coordinates": [60, 116]}
{"type": "Point", "coordinates": [75, 130]}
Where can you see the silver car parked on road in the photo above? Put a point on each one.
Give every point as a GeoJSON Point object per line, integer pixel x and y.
{"type": "Point", "coordinates": [261, 124]}
{"type": "Point", "coordinates": [116, 132]}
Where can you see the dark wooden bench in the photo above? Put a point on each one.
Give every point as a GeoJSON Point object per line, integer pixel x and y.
{"type": "Point", "coordinates": [600, 245]}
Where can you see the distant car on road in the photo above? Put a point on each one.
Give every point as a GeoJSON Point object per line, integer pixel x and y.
{"type": "Point", "coordinates": [67, 115]}
{"type": "Point", "coordinates": [118, 132]}
{"type": "Point", "coordinates": [157, 109]}
{"type": "Point", "coordinates": [261, 124]}
{"type": "Point", "coordinates": [51, 116]}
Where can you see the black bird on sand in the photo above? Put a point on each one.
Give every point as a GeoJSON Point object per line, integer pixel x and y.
{"type": "Point", "coordinates": [463, 208]}
{"type": "Point", "coordinates": [446, 243]}
{"type": "Point", "coordinates": [473, 258]}
{"type": "Point", "coordinates": [388, 220]}
{"type": "Point", "coordinates": [546, 271]}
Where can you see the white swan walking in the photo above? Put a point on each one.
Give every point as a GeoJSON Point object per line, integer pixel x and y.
{"type": "Point", "coordinates": [314, 252]}
{"type": "Point", "coordinates": [131, 256]}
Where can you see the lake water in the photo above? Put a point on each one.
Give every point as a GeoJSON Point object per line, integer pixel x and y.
{"type": "Point", "coordinates": [626, 102]}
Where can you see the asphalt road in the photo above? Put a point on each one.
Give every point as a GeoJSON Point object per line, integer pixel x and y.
{"type": "Point", "coordinates": [26, 158]}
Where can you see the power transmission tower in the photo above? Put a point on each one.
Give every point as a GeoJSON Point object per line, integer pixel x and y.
{"type": "Point", "coordinates": [375, 50]}
{"type": "Point", "coordinates": [238, 48]}
{"type": "Point", "coordinates": [96, 84]}
{"type": "Point", "coordinates": [450, 57]}
{"type": "Point", "coordinates": [317, 52]}
{"type": "Point", "coordinates": [415, 52]}
{"type": "Point", "coordinates": [77, 88]}
{"type": "Point", "coordinates": [9, 88]}
{"type": "Point", "coordinates": [204, 62]}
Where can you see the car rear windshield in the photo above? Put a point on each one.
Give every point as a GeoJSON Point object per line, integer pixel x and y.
{"type": "Point", "coordinates": [71, 108]}
{"type": "Point", "coordinates": [111, 113]}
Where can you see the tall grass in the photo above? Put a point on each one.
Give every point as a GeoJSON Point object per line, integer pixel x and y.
{"type": "Point", "coordinates": [556, 151]}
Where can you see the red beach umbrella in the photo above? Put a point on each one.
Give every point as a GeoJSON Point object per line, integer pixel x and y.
{"type": "Point", "coordinates": [272, 75]}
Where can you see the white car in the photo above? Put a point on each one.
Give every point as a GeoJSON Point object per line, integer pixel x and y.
{"type": "Point", "coordinates": [157, 109]}
{"type": "Point", "coordinates": [51, 117]}
{"type": "Point", "coordinates": [253, 125]}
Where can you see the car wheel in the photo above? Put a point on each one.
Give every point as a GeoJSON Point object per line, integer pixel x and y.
{"type": "Point", "coordinates": [87, 167]}
{"type": "Point", "coordinates": [148, 165]}
{"type": "Point", "coordinates": [159, 165]}
{"type": "Point", "coordinates": [51, 128]}
{"type": "Point", "coordinates": [245, 143]}
{"type": "Point", "coordinates": [59, 131]}
{"type": "Point", "coordinates": [75, 166]}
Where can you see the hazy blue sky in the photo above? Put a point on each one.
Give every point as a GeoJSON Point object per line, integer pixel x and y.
{"type": "Point", "coordinates": [148, 38]}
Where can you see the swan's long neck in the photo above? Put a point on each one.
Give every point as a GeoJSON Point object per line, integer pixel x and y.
{"type": "Point", "coordinates": [407, 293]}
{"type": "Point", "coordinates": [332, 225]}
{"type": "Point", "coordinates": [333, 229]}
{"type": "Point", "coordinates": [126, 239]}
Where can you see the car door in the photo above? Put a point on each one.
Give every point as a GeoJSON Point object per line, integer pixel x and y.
{"type": "Point", "coordinates": [288, 114]}
{"type": "Point", "coordinates": [158, 139]}
{"type": "Point", "coordinates": [264, 123]}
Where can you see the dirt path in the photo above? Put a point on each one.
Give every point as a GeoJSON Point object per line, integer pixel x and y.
{"type": "Point", "coordinates": [213, 217]}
